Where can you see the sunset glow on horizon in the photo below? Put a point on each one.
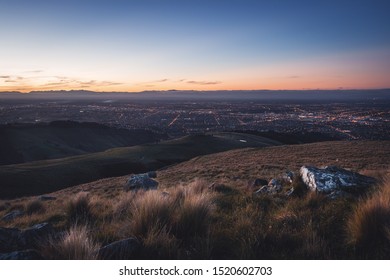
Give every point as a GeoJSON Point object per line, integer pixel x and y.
{"type": "Point", "coordinates": [193, 45]}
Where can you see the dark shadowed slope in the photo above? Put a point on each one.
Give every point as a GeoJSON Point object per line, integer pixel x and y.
{"type": "Point", "coordinates": [21, 143]}
{"type": "Point", "coordinates": [46, 176]}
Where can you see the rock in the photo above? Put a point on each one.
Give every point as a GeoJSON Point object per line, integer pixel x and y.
{"type": "Point", "coordinates": [31, 236]}
{"type": "Point", "coordinates": [290, 192]}
{"type": "Point", "coordinates": [120, 250]}
{"type": "Point", "coordinates": [12, 215]}
{"type": "Point", "coordinates": [275, 185]}
{"type": "Point", "coordinates": [13, 239]}
{"type": "Point", "coordinates": [263, 189]}
{"type": "Point", "coordinates": [334, 179]}
{"type": "Point", "coordinates": [10, 239]}
{"type": "Point", "coordinates": [21, 255]}
{"type": "Point", "coordinates": [140, 181]}
{"type": "Point", "coordinates": [289, 177]}
{"type": "Point", "coordinates": [259, 182]}
{"type": "Point", "coordinates": [47, 197]}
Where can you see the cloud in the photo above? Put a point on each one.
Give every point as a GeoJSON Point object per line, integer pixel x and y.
{"type": "Point", "coordinates": [99, 83]}
{"type": "Point", "coordinates": [5, 77]}
{"type": "Point", "coordinates": [204, 83]}
{"type": "Point", "coordinates": [69, 82]}
{"type": "Point", "coordinates": [153, 82]}
{"type": "Point", "coordinates": [33, 71]}
{"type": "Point", "coordinates": [294, 77]}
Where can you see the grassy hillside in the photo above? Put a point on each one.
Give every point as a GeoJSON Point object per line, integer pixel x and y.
{"type": "Point", "coordinates": [40, 177]}
{"type": "Point", "coordinates": [186, 219]}
{"type": "Point", "coordinates": [370, 157]}
{"type": "Point", "coordinates": [21, 143]}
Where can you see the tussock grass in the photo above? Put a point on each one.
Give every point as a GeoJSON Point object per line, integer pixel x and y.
{"type": "Point", "coordinates": [35, 206]}
{"type": "Point", "coordinates": [193, 217]}
{"type": "Point", "coordinates": [200, 221]}
{"type": "Point", "coordinates": [369, 225]}
{"type": "Point", "coordinates": [149, 210]}
{"type": "Point", "coordinates": [79, 208]}
{"type": "Point", "coordinates": [75, 244]}
{"type": "Point", "coordinates": [159, 243]}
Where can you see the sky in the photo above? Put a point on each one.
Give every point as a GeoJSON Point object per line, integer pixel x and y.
{"type": "Point", "coordinates": [138, 45]}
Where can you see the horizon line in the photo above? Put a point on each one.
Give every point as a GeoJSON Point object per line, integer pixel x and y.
{"type": "Point", "coordinates": [194, 90]}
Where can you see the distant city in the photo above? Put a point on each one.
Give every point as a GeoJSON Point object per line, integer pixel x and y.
{"type": "Point", "coordinates": [368, 120]}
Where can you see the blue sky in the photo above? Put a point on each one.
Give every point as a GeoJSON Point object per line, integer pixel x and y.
{"type": "Point", "coordinates": [204, 45]}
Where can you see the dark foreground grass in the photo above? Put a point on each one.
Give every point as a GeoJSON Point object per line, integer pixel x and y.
{"type": "Point", "coordinates": [220, 221]}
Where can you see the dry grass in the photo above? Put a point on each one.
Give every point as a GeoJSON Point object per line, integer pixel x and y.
{"type": "Point", "coordinates": [35, 206]}
{"type": "Point", "coordinates": [75, 244]}
{"type": "Point", "coordinates": [184, 211]}
{"type": "Point", "coordinates": [149, 210]}
{"type": "Point", "coordinates": [79, 209]}
{"type": "Point", "coordinates": [369, 225]}
{"type": "Point", "coordinates": [161, 244]}
{"type": "Point", "coordinates": [195, 221]}
{"type": "Point", "coordinates": [193, 217]}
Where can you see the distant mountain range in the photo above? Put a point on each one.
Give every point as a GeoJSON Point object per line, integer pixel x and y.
{"type": "Point", "coordinates": [293, 95]}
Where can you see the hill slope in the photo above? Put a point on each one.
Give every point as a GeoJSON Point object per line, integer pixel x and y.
{"type": "Point", "coordinates": [20, 143]}
{"type": "Point", "coordinates": [40, 177]}
{"type": "Point", "coordinates": [237, 167]}
{"type": "Point", "coordinates": [367, 156]}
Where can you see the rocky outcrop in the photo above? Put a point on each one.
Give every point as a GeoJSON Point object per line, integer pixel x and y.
{"type": "Point", "coordinates": [21, 255]}
{"type": "Point", "coordinates": [120, 250]}
{"type": "Point", "coordinates": [334, 180]}
{"type": "Point", "coordinates": [274, 186]}
{"type": "Point", "coordinates": [12, 215]}
{"type": "Point", "coordinates": [13, 239]}
{"type": "Point", "coordinates": [289, 177]}
{"type": "Point", "coordinates": [141, 182]}
{"type": "Point", "coordinates": [47, 197]}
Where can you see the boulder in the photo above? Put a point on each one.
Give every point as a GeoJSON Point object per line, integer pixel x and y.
{"type": "Point", "coordinates": [10, 239]}
{"type": "Point", "coordinates": [21, 255]}
{"type": "Point", "coordinates": [333, 179]}
{"type": "Point", "coordinates": [12, 215]}
{"type": "Point", "coordinates": [13, 239]}
{"type": "Point", "coordinates": [47, 197]}
{"type": "Point", "coordinates": [140, 182]}
{"type": "Point", "coordinates": [289, 177]}
{"type": "Point", "coordinates": [31, 236]}
{"type": "Point", "coordinates": [290, 192]}
{"type": "Point", "coordinates": [274, 186]}
{"type": "Point", "coordinates": [120, 250]}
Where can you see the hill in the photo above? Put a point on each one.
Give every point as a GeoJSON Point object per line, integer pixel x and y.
{"type": "Point", "coordinates": [242, 165]}
{"type": "Point", "coordinates": [237, 167]}
{"type": "Point", "coordinates": [185, 218]}
{"type": "Point", "coordinates": [20, 143]}
{"type": "Point", "coordinates": [40, 177]}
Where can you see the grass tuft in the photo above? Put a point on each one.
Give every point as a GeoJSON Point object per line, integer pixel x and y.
{"type": "Point", "coordinates": [75, 244]}
{"type": "Point", "coordinates": [35, 206]}
{"type": "Point", "coordinates": [369, 225]}
{"type": "Point", "coordinates": [79, 209]}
